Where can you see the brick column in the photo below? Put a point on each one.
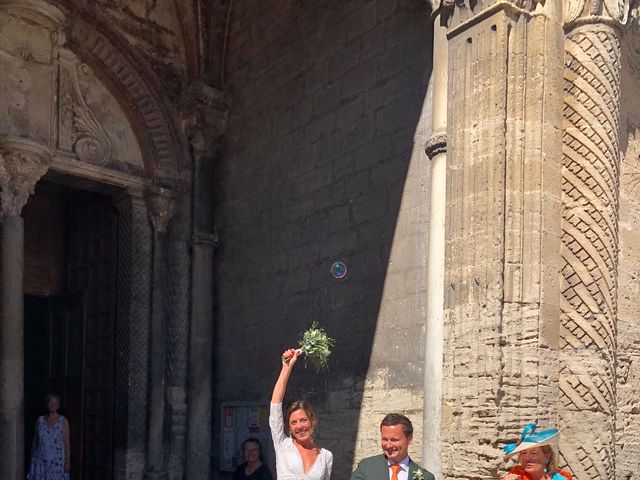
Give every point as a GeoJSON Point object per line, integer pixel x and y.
{"type": "Point", "coordinates": [22, 164]}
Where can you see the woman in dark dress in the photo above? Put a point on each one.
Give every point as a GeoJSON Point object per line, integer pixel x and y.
{"type": "Point", "coordinates": [252, 468]}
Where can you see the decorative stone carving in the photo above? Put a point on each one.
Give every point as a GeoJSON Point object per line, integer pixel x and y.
{"type": "Point", "coordinates": [162, 147]}
{"type": "Point", "coordinates": [590, 193]}
{"type": "Point", "coordinates": [436, 144]}
{"type": "Point", "coordinates": [22, 164]}
{"type": "Point", "coordinates": [436, 5]}
{"type": "Point", "coordinates": [459, 15]}
{"type": "Point", "coordinates": [206, 109]}
{"type": "Point", "coordinates": [90, 141]}
{"type": "Point", "coordinates": [30, 37]}
{"type": "Point", "coordinates": [30, 30]}
{"type": "Point", "coordinates": [160, 202]}
{"type": "Point", "coordinates": [578, 12]}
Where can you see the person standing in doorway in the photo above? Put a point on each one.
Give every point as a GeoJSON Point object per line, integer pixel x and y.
{"type": "Point", "coordinates": [51, 451]}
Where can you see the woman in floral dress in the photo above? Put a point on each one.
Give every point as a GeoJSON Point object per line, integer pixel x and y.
{"type": "Point", "coordinates": [50, 459]}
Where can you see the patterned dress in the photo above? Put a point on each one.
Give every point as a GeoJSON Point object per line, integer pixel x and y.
{"type": "Point", "coordinates": [47, 462]}
{"type": "Point", "coordinates": [289, 464]}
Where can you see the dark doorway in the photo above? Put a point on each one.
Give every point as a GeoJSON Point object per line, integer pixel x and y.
{"type": "Point", "coordinates": [70, 271]}
{"type": "Point", "coordinates": [54, 328]}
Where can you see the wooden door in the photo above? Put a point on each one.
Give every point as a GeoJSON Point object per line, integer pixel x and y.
{"type": "Point", "coordinates": [70, 338]}
{"type": "Point", "coordinates": [91, 266]}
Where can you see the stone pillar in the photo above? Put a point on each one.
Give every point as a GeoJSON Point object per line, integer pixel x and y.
{"type": "Point", "coordinates": [22, 164]}
{"type": "Point", "coordinates": [160, 206]}
{"type": "Point", "coordinates": [177, 304]}
{"type": "Point", "coordinates": [502, 234]}
{"type": "Point", "coordinates": [131, 376]}
{"type": "Point", "coordinates": [590, 191]}
{"type": "Point", "coordinates": [200, 391]}
{"type": "Point", "coordinates": [436, 150]}
{"type": "Point", "coordinates": [204, 125]}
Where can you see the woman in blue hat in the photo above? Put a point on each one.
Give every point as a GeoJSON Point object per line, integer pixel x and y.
{"type": "Point", "coordinates": [536, 458]}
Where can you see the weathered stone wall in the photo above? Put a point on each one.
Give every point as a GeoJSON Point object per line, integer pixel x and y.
{"type": "Point", "coordinates": [628, 341]}
{"type": "Point", "coordinates": [323, 161]}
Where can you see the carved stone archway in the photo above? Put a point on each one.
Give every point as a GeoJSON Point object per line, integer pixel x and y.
{"type": "Point", "coordinates": [50, 127]}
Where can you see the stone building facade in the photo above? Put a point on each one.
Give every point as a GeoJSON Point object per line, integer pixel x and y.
{"type": "Point", "coordinates": [177, 177]}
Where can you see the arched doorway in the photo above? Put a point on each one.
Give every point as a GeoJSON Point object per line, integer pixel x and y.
{"type": "Point", "coordinates": [69, 318]}
{"type": "Point", "coordinates": [80, 120]}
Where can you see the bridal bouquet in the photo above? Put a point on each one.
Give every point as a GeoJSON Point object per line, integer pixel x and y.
{"type": "Point", "coordinates": [316, 346]}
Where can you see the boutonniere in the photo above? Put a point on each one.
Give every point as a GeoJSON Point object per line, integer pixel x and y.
{"type": "Point", "coordinates": [417, 475]}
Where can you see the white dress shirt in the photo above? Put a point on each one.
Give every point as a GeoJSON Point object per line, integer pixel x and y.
{"type": "Point", "coordinates": [403, 473]}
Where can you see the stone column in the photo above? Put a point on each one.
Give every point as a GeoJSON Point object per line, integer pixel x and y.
{"type": "Point", "coordinates": [131, 376]}
{"type": "Point", "coordinates": [160, 206]}
{"type": "Point", "coordinates": [590, 191]}
{"type": "Point", "coordinates": [177, 304]}
{"type": "Point", "coordinates": [205, 125]}
{"type": "Point", "coordinates": [436, 150]}
{"type": "Point", "coordinates": [502, 237]}
{"type": "Point", "coordinates": [22, 164]}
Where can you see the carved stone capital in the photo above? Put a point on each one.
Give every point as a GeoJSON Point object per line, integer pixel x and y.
{"type": "Point", "coordinates": [593, 12]}
{"type": "Point", "coordinates": [436, 144]}
{"type": "Point", "coordinates": [160, 202]}
{"type": "Point", "coordinates": [205, 111]}
{"type": "Point", "coordinates": [22, 163]}
{"type": "Point", "coordinates": [437, 6]}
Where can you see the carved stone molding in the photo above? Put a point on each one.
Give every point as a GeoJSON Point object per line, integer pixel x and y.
{"type": "Point", "coordinates": [30, 30]}
{"type": "Point", "coordinates": [22, 164]}
{"type": "Point", "coordinates": [164, 155]}
{"type": "Point", "coordinates": [436, 144]}
{"type": "Point", "coordinates": [160, 203]}
{"type": "Point", "coordinates": [461, 15]}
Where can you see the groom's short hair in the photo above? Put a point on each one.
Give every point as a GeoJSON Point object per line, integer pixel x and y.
{"type": "Point", "coordinates": [392, 419]}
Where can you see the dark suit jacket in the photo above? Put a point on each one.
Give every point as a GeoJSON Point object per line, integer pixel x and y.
{"type": "Point", "coordinates": [377, 468]}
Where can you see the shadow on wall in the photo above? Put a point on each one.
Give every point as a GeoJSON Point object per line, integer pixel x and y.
{"type": "Point", "coordinates": [327, 97]}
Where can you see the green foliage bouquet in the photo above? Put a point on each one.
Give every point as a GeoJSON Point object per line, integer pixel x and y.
{"type": "Point", "coordinates": [316, 346]}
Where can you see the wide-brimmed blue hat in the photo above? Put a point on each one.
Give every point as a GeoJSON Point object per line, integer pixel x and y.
{"type": "Point", "coordinates": [530, 438]}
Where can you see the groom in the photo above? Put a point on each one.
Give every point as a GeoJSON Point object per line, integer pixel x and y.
{"type": "Point", "coordinates": [396, 434]}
